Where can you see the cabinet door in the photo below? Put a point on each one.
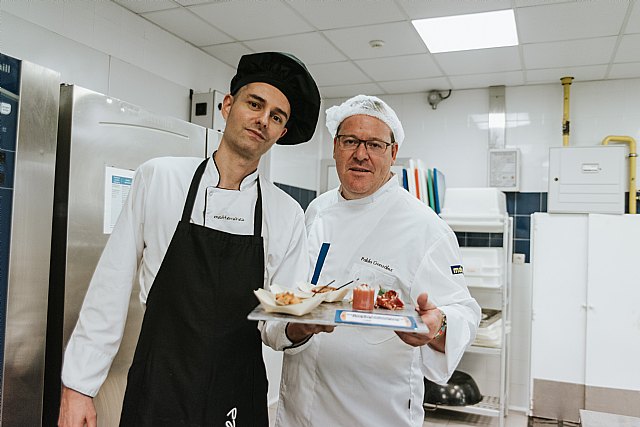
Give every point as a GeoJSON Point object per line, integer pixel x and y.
{"type": "Point", "coordinates": [559, 293]}
{"type": "Point", "coordinates": [613, 315]}
{"type": "Point", "coordinates": [559, 258]}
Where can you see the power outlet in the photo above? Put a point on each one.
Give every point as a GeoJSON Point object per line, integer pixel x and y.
{"type": "Point", "coordinates": [518, 258]}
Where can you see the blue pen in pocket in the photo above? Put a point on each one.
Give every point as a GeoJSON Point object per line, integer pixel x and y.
{"type": "Point", "coordinates": [319, 263]}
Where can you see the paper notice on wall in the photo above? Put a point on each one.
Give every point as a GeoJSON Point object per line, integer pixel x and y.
{"type": "Point", "coordinates": [117, 184]}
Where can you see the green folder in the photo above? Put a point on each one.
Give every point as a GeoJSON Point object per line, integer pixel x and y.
{"type": "Point", "coordinates": [432, 202]}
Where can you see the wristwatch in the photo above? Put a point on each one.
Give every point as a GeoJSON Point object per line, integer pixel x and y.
{"type": "Point", "coordinates": [443, 326]}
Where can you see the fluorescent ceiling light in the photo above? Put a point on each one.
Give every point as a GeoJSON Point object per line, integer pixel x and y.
{"type": "Point", "coordinates": [467, 32]}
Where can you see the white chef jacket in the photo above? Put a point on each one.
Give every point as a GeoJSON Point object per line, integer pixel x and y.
{"type": "Point", "coordinates": [141, 237]}
{"type": "Point", "coordinates": [369, 377]}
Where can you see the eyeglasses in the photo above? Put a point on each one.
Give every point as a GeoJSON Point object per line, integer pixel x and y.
{"type": "Point", "coordinates": [351, 143]}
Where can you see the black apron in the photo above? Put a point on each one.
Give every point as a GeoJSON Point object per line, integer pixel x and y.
{"type": "Point", "coordinates": [198, 361]}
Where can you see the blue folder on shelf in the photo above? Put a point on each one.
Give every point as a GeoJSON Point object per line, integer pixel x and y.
{"type": "Point", "coordinates": [405, 182]}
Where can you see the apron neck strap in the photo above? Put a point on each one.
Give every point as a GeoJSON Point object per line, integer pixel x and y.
{"type": "Point", "coordinates": [193, 190]}
{"type": "Point", "coordinates": [257, 212]}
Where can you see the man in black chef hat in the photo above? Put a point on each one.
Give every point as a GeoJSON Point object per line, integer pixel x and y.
{"type": "Point", "coordinates": [193, 232]}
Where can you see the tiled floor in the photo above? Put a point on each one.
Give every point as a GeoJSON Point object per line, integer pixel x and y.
{"type": "Point", "coordinates": [443, 417]}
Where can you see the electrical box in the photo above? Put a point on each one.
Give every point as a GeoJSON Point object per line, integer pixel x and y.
{"type": "Point", "coordinates": [206, 110]}
{"type": "Point", "coordinates": [586, 179]}
{"type": "Point", "coordinates": [504, 169]}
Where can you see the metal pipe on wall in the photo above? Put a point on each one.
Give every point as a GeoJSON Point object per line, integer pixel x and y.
{"type": "Point", "coordinates": [566, 84]}
{"type": "Point", "coordinates": [632, 166]}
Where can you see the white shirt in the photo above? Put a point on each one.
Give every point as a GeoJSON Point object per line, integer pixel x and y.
{"type": "Point", "coordinates": [364, 376]}
{"type": "Point", "coordinates": [140, 239]}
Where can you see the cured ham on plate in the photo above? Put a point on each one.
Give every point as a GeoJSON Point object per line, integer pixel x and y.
{"type": "Point", "coordinates": [389, 300]}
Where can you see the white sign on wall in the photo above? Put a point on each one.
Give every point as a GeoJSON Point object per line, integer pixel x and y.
{"type": "Point", "coordinates": [117, 184]}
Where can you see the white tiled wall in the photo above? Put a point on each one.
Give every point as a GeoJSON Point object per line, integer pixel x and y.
{"type": "Point", "coordinates": [454, 137]}
{"type": "Point", "coordinates": [106, 48]}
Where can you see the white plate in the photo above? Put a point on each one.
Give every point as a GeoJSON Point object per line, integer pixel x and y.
{"type": "Point", "coordinates": [268, 301]}
{"type": "Point", "coordinates": [333, 296]}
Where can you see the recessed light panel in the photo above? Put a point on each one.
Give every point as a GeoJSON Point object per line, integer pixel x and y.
{"type": "Point", "coordinates": [468, 32]}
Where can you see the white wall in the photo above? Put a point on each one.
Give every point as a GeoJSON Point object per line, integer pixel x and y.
{"type": "Point", "coordinates": [105, 48]}
{"type": "Point", "coordinates": [454, 137]}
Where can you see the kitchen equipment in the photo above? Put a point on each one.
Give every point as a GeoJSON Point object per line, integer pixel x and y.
{"type": "Point", "coordinates": [29, 96]}
{"type": "Point", "coordinates": [461, 390]}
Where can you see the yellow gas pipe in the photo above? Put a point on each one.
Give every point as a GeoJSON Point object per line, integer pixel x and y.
{"type": "Point", "coordinates": [566, 84]}
{"type": "Point", "coordinates": [632, 166]}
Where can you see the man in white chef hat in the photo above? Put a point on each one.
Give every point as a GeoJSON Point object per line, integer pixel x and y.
{"type": "Point", "coordinates": [380, 233]}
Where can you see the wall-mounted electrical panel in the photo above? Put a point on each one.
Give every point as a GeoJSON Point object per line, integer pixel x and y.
{"type": "Point", "coordinates": [504, 169]}
{"type": "Point", "coordinates": [206, 110]}
{"type": "Point", "coordinates": [586, 179]}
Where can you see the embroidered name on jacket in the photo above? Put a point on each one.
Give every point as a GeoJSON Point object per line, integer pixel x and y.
{"type": "Point", "coordinates": [376, 263]}
{"type": "Point", "coordinates": [456, 269]}
{"type": "Point", "coordinates": [228, 218]}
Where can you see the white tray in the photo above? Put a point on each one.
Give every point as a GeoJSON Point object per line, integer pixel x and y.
{"type": "Point", "coordinates": [341, 314]}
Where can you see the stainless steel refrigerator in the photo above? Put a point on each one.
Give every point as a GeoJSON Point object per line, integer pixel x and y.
{"type": "Point", "coordinates": [101, 140]}
{"type": "Point", "coordinates": [28, 121]}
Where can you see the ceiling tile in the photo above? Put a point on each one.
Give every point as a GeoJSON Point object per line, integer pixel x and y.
{"type": "Point", "coordinates": [187, 26]}
{"type": "Point", "coordinates": [337, 73]}
{"type": "Point", "coordinates": [553, 75]}
{"type": "Point", "coordinates": [415, 86]}
{"type": "Point", "coordinates": [433, 8]}
{"type": "Point", "coordinates": [633, 24]}
{"type": "Point", "coordinates": [251, 19]}
{"type": "Point", "coordinates": [569, 21]}
{"type": "Point", "coordinates": [328, 14]}
{"type": "Point", "coordinates": [512, 78]}
{"type": "Point", "coordinates": [629, 49]}
{"type": "Point", "coordinates": [479, 61]}
{"type": "Point", "coordinates": [345, 91]}
{"type": "Point", "coordinates": [138, 6]}
{"type": "Point", "coordinates": [311, 48]}
{"type": "Point", "coordinates": [228, 53]}
{"type": "Point", "coordinates": [569, 53]}
{"type": "Point", "coordinates": [193, 2]}
{"type": "Point", "coordinates": [400, 38]}
{"type": "Point", "coordinates": [526, 3]}
{"type": "Point", "coordinates": [625, 71]}
{"type": "Point", "coordinates": [400, 67]}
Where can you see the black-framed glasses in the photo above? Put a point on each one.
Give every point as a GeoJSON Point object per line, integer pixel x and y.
{"type": "Point", "coordinates": [351, 143]}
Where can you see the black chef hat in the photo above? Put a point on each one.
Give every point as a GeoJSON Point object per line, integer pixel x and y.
{"type": "Point", "coordinates": [291, 77]}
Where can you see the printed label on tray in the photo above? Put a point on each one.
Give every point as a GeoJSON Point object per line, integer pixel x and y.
{"type": "Point", "coordinates": [375, 319]}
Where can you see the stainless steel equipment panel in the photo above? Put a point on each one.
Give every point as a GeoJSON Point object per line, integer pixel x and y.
{"type": "Point", "coordinates": [28, 275]}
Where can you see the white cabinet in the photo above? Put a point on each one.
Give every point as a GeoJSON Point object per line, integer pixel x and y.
{"type": "Point", "coordinates": [585, 337]}
{"type": "Point", "coordinates": [488, 274]}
